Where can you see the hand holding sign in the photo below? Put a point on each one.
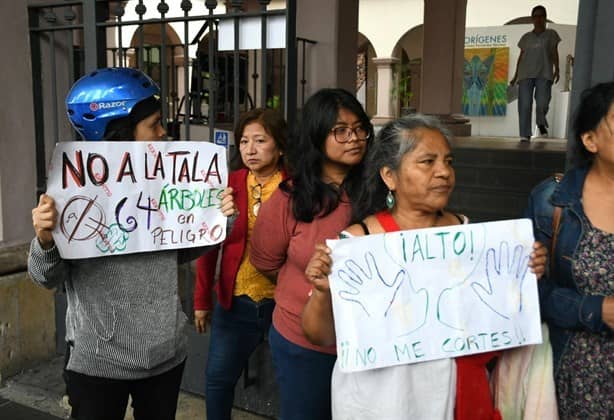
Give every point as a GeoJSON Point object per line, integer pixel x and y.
{"type": "Point", "coordinates": [459, 275]}
{"type": "Point", "coordinates": [44, 220]}
{"type": "Point", "coordinates": [228, 206]}
{"type": "Point", "coordinates": [122, 197]}
{"type": "Point", "coordinates": [318, 268]}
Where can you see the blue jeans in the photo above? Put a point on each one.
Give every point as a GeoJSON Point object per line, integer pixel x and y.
{"type": "Point", "coordinates": [303, 377]}
{"type": "Point", "coordinates": [235, 334]}
{"type": "Point", "coordinates": [542, 89]}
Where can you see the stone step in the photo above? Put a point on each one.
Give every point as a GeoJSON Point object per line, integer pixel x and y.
{"type": "Point", "coordinates": [495, 176]}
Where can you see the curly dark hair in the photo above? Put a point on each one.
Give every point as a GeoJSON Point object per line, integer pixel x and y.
{"type": "Point", "coordinates": [305, 155]}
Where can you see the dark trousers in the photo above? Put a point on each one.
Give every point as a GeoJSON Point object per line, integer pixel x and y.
{"type": "Point", "coordinates": [94, 398]}
{"type": "Point", "coordinates": [303, 376]}
{"type": "Point", "coordinates": [235, 334]}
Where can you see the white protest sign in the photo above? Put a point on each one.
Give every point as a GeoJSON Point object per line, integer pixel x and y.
{"type": "Point", "coordinates": [425, 294]}
{"type": "Point", "coordinates": [124, 197]}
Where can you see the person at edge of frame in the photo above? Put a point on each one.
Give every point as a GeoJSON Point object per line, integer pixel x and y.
{"type": "Point", "coordinates": [124, 322]}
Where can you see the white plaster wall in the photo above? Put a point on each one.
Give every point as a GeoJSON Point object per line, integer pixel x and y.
{"type": "Point", "coordinates": [495, 13]}
{"type": "Point", "coordinates": [384, 22]}
{"type": "Point", "coordinates": [507, 126]}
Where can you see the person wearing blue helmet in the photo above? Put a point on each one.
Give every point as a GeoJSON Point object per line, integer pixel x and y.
{"type": "Point", "coordinates": [115, 104]}
{"type": "Point", "coordinates": [124, 323]}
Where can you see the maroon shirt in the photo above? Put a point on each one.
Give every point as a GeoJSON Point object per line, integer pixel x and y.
{"type": "Point", "coordinates": [280, 242]}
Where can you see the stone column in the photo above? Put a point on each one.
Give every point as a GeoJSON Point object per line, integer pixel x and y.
{"type": "Point", "coordinates": [332, 61]}
{"type": "Point", "coordinates": [593, 59]}
{"type": "Point", "coordinates": [385, 82]}
{"type": "Point", "coordinates": [17, 145]}
{"type": "Point", "coordinates": [442, 62]}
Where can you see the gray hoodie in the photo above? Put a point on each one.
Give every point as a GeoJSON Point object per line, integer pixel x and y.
{"type": "Point", "coordinates": [124, 314]}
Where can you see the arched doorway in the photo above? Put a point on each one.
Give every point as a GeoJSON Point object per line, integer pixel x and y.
{"type": "Point", "coordinates": [408, 50]}
{"type": "Point", "coordinates": [366, 75]}
{"type": "Point", "coordinates": [151, 55]}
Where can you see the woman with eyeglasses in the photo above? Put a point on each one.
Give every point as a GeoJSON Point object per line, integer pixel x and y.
{"type": "Point", "coordinates": [324, 159]}
{"type": "Point", "coordinates": [242, 314]}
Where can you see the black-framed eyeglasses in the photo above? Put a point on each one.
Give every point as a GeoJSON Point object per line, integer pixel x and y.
{"type": "Point", "coordinates": [257, 195]}
{"type": "Point", "coordinates": [344, 134]}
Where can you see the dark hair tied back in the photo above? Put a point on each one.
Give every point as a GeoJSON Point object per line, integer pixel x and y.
{"type": "Point", "coordinates": [595, 102]}
{"type": "Point", "coordinates": [273, 123]}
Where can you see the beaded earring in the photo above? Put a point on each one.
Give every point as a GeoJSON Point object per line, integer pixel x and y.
{"type": "Point", "coordinates": [390, 201]}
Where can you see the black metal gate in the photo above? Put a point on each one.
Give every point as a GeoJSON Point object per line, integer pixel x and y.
{"type": "Point", "coordinates": [210, 88]}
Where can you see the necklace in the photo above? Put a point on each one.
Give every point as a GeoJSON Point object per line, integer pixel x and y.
{"type": "Point", "coordinates": [256, 190]}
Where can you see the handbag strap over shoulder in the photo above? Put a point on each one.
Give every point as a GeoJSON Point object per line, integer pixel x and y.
{"type": "Point", "coordinates": [556, 224]}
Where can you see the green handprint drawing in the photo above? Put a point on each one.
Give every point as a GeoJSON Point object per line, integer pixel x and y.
{"type": "Point", "coordinates": [355, 278]}
{"type": "Point", "coordinates": [505, 276]}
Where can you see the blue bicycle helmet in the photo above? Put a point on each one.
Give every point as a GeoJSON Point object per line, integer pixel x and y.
{"type": "Point", "coordinates": [105, 95]}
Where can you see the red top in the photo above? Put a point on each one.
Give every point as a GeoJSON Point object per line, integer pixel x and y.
{"type": "Point", "coordinates": [473, 398]}
{"type": "Point", "coordinates": [280, 242]}
{"type": "Point", "coordinates": [234, 246]}
{"type": "Point", "coordinates": [232, 253]}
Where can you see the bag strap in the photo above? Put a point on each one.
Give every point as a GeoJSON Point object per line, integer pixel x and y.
{"type": "Point", "coordinates": [364, 227]}
{"type": "Point", "coordinates": [387, 221]}
{"type": "Point", "coordinates": [556, 224]}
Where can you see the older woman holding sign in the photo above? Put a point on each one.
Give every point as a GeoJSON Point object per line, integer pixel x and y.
{"type": "Point", "coordinates": [409, 180]}
{"type": "Point", "coordinates": [124, 322]}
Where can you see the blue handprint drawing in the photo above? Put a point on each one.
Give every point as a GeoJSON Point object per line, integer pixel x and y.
{"type": "Point", "coordinates": [355, 277]}
{"type": "Point", "coordinates": [505, 276]}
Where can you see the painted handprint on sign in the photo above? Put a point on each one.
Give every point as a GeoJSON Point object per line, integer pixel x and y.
{"type": "Point", "coordinates": [411, 296]}
{"type": "Point", "coordinates": [356, 278]}
{"type": "Point", "coordinates": [504, 280]}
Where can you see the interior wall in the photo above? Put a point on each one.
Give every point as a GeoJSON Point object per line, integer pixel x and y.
{"type": "Point", "coordinates": [507, 126]}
